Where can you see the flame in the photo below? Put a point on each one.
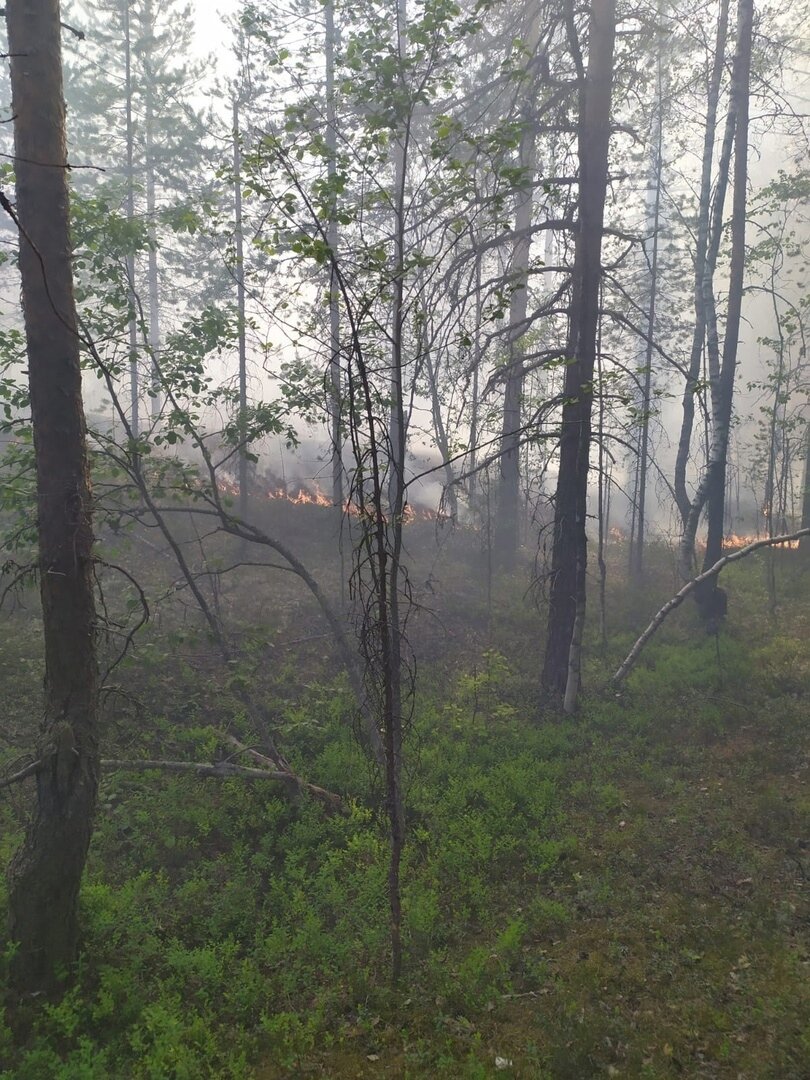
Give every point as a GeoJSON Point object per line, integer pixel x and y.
{"type": "Point", "coordinates": [303, 497]}
{"type": "Point", "coordinates": [227, 486]}
{"type": "Point", "coordinates": [734, 541]}
{"type": "Point", "coordinates": [315, 496]}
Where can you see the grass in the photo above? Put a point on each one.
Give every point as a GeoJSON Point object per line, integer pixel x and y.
{"type": "Point", "coordinates": [624, 893]}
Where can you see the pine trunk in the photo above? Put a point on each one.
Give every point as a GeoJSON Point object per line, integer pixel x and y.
{"type": "Point", "coordinates": [569, 552]}
{"type": "Point", "coordinates": [46, 872]}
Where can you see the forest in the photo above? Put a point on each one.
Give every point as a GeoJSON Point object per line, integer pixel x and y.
{"type": "Point", "coordinates": [404, 539]}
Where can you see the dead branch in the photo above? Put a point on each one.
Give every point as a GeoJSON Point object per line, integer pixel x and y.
{"type": "Point", "coordinates": [220, 770]}
{"type": "Point", "coordinates": [676, 601]}
{"type": "Point", "coordinates": [16, 777]}
{"type": "Point", "coordinates": [328, 797]}
{"type": "Point", "coordinates": [226, 770]}
{"type": "Point", "coordinates": [145, 616]}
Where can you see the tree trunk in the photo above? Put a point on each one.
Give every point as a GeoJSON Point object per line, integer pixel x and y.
{"type": "Point", "coordinates": [715, 477]}
{"type": "Point", "coordinates": [701, 247]}
{"type": "Point", "coordinates": [240, 310]}
{"type": "Point", "coordinates": [602, 502]}
{"type": "Point", "coordinates": [46, 872]}
{"type": "Point", "coordinates": [389, 568]}
{"type": "Point", "coordinates": [721, 374]}
{"type": "Point", "coordinates": [804, 544]}
{"type": "Point", "coordinates": [506, 523]}
{"type": "Point", "coordinates": [653, 220]}
{"type": "Point", "coordinates": [569, 552]}
{"type": "Point", "coordinates": [335, 380]}
{"type": "Point", "coordinates": [134, 388]}
{"type": "Point", "coordinates": [472, 482]}
{"type": "Point", "coordinates": [772, 504]}
{"type": "Point", "coordinates": [151, 216]}
{"type": "Point", "coordinates": [440, 431]}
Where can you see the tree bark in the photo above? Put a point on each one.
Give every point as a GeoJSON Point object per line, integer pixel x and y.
{"type": "Point", "coordinates": [46, 872]}
{"type": "Point", "coordinates": [701, 247]}
{"type": "Point", "coordinates": [151, 213]}
{"type": "Point", "coordinates": [569, 552]}
{"type": "Point", "coordinates": [804, 543]}
{"type": "Point", "coordinates": [653, 221]}
{"type": "Point", "coordinates": [713, 487]}
{"type": "Point", "coordinates": [332, 238]}
{"type": "Point", "coordinates": [439, 429]}
{"type": "Point", "coordinates": [506, 522]}
{"type": "Point", "coordinates": [240, 312]}
{"type": "Point", "coordinates": [134, 379]}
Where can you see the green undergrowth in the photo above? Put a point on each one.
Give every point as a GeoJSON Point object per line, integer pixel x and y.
{"type": "Point", "coordinates": [622, 893]}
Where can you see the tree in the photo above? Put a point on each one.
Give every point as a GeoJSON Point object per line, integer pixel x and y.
{"type": "Point", "coordinates": [131, 112]}
{"type": "Point", "coordinates": [506, 531]}
{"type": "Point", "coordinates": [569, 550]}
{"type": "Point", "coordinates": [46, 872]}
{"type": "Point", "coordinates": [650, 252]}
{"type": "Point", "coordinates": [711, 491]}
{"type": "Point", "coordinates": [805, 543]}
{"type": "Point", "coordinates": [705, 257]}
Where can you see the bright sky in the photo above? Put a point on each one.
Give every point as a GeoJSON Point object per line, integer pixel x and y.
{"type": "Point", "coordinates": [212, 34]}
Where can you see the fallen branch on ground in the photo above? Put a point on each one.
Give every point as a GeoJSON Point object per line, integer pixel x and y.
{"type": "Point", "coordinates": [220, 770]}
{"type": "Point", "coordinates": [225, 770]}
{"type": "Point", "coordinates": [316, 792]}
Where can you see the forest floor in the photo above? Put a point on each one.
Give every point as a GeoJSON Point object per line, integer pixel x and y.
{"type": "Point", "coordinates": [623, 893]}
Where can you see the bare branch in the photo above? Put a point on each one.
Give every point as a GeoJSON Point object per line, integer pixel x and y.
{"type": "Point", "coordinates": [678, 599]}
{"type": "Point", "coordinates": [226, 770]}
{"type": "Point", "coordinates": [16, 777]}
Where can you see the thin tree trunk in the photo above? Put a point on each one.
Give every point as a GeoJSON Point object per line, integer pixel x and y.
{"type": "Point", "coordinates": [653, 221]}
{"type": "Point", "coordinates": [721, 374]}
{"type": "Point", "coordinates": [506, 523]}
{"type": "Point", "coordinates": [46, 872]}
{"type": "Point", "coordinates": [804, 544]}
{"type": "Point", "coordinates": [240, 313]}
{"type": "Point", "coordinates": [569, 552]}
{"type": "Point", "coordinates": [151, 214]}
{"type": "Point", "coordinates": [439, 431]}
{"type": "Point", "coordinates": [770, 508]}
{"type": "Point", "coordinates": [475, 404]}
{"type": "Point", "coordinates": [332, 239]}
{"type": "Point", "coordinates": [715, 476]}
{"type": "Point", "coordinates": [134, 388]}
{"type": "Point", "coordinates": [390, 569]}
{"type": "Point", "coordinates": [704, 209]}
{"type": "Point", "coordinates": [602, 507]}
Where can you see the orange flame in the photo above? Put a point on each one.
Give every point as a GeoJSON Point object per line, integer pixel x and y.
{"type": "Point", "coordinates": [734, 541]}
{"type": "Point", "coordinates": [302, 497]}
{"type": "Point", "coordinates": [315, 496]}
